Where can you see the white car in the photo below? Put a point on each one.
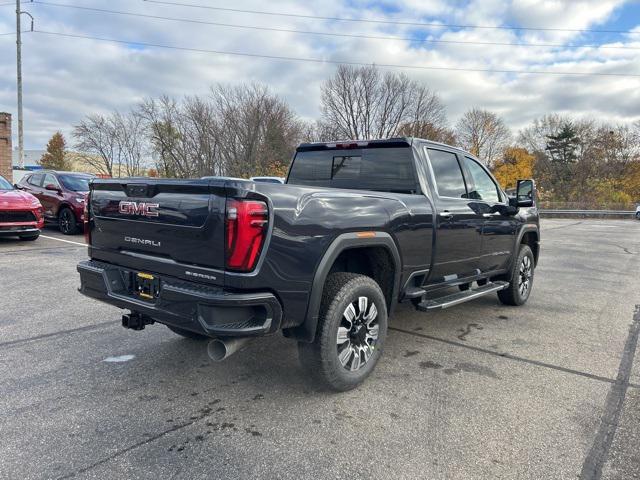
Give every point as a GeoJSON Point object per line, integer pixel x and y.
{"type": "Point", "coordinates": [638, 212]}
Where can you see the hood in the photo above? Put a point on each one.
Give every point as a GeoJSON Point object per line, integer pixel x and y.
{"type": "Point", "coordinates": [17, 200]}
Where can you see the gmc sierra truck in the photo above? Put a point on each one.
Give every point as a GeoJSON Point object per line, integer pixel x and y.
{"type": "Point", "coordinates": [325, 258]}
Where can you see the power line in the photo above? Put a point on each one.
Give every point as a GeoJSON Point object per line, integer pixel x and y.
{"type": "Point", "coordinates": [330, 34]}
{"type": "Point", "coordinates": [338, 62]}
{"type": "Point", "coordinates": [388, 22]}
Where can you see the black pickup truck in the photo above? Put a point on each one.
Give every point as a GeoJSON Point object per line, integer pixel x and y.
{"type": "Point", "coordinates": [325, 258]}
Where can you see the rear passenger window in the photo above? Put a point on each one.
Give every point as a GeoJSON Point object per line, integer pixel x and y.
{"type": "Point", "coordinates": [447, 173]}
{"type": "Point", "coordinates": [484, 187]}
{"type": "Point", "coordinates": [36, 179]}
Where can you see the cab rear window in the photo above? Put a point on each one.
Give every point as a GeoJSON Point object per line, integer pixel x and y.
{"type": "Point", "coordinates": [378, 169]}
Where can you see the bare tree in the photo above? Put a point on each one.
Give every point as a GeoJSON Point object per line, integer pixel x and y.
{"type": "Point", "coordinates": [255, 130]}
{"type": "Point", "coordinates": [428, 117]}
{"type": "Point", "coordinates": [237, 131]}
{"type": "Point", "coordinates": [114, 144]}
{"type": "Point", "coordinates": [361, 103]}
{"type": "Point", "coordinates": [96, 143]}
{"type": "Point", "coordinates": [483, 133]}
{"type": "Point", "coordinates": [182, 136]}
{"type": "Point", "coordinates": [130, 137]}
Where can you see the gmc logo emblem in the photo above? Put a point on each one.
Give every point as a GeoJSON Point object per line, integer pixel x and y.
{"type": "Point", "coordinates": [143, 209]}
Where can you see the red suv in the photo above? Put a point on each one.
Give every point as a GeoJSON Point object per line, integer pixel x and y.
{"type": "Point", "coordinates": [62, 195]}
{"type": "Point", "coordinates": [20, 213]}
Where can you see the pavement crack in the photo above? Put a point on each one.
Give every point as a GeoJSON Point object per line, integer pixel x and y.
{"type": "Point", "coordinates": [599, 452]}
{"type": "Point", "coordinates": [625, 249]}
{"type": "Point", "coordinates": [20, 341]}
{"type": "Point", "coordinates": [562, 226]}
{"type": "Point", "coordinates": [139, 444]}
{"type": "Point", "coordinates": [509, 356]}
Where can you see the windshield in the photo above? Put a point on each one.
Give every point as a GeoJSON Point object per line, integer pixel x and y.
{"type": "Point", "coordinates": [5, 185]}
{"type": "Point", "coordinates": [75, 183]}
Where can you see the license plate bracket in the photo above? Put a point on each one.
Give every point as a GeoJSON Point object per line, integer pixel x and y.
{"type": "Point", "coordinates": [146, 286]}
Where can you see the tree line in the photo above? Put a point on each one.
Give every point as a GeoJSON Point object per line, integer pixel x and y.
{"type": "Point", "coordinates": [246, 130]}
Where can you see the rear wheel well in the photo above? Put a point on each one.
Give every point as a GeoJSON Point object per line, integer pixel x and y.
{"type": "Point", "coordinates": [375, 262]}
{"type": "Point", "coordinates": [531, 239]}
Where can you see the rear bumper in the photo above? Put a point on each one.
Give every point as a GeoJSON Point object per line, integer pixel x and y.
{"type": "Point", "coordinates": [187, 305]}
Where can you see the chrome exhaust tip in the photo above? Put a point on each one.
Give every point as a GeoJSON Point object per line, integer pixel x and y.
{"type": "Point", "coordinates": [219, 349]}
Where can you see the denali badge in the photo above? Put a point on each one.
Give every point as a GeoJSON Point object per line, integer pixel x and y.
{"type": "Point", "coordinates": [142, 241]}
{"type": "Point", "coordinates": [142, 208]}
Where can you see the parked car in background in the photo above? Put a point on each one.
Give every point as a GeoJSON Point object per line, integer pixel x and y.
{"type": "Point", "coordinates": [62, 195]}
{"type": "Point", "coordinates": [638, 212]}
{"type": "Point", "coordinates": [21, 214]}
{"type": "Point", "coordinates": [267, 179]}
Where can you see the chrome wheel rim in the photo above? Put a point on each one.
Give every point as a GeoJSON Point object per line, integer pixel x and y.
{"type": "Point", "coordinates": [357, 334]}
{"type": "Point", "coordinates": [525, 277]}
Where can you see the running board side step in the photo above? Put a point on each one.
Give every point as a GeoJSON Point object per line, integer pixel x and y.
{"type": "Point", "coordinates": [460, 297]}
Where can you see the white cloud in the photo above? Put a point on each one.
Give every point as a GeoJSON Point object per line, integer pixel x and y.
{"type": "Point", "coordinates": [66, 79]}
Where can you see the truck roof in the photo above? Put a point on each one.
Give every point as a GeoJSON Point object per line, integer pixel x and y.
{"type": "Point", "coordinates": [381, 143]}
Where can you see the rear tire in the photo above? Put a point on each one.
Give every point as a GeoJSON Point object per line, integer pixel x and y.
{"type": "Point", "coordinates": [351, 332]}
{"type": "Point", "coordinates": [29, 238]}
{"type": "Point", "coordinates": [67, 222]}
{"type": "Point", "coordinates": [188, 333]}
{"type": "Point", "coordinates": [521, 279]}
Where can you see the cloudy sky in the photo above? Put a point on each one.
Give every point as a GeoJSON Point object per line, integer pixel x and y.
{"type": "Point", "coordinates": [68, 77]}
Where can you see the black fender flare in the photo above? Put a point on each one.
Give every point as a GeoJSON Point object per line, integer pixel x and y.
{"type": "Point", "coordinates": [525, 229]}
{"type": "Point", "coordinates": [306, 331]}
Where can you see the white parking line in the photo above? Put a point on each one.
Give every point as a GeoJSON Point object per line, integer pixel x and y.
{"type": "Point", "coordinates": [66, 241]}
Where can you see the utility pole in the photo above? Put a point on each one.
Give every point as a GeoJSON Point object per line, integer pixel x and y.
{"type": "Point", "coordinates": [19, 70]}
{"type": "Point", "coordinates": [19, 12]}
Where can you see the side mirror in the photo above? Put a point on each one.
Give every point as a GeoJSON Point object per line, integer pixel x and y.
{"type": "Point", "coordinates": [526, 193]}
{"type": "Point", "coordinates": [51, 187]}
{"type": "Point", "coordinates": [16, 186]}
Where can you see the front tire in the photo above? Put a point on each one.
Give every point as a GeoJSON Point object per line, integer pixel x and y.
{"type": "Point", "coordinates": [351, 332]}
{"type": "Point", "coordinates": [521, 279]}
{"type": "Point", "coordinates": [67, 222]}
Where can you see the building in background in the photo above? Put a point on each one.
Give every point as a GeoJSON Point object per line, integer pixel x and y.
{"type": "Point", "coordinates": [6, 169]}
{"type": "Point", "coordinates": [31, 159]}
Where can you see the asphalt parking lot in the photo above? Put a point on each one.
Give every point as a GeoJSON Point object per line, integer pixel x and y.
{"type": "Point", "coordinates": [548, 390]}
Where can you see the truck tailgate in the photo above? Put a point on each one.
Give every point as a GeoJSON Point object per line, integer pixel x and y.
{"type": "Point", "coordinates": [175, 227]}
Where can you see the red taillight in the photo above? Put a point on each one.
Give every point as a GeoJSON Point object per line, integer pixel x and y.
{"type": "Point", "coordinates": [86, 225]}
{"type": "Point", "coordinates": [246, 228]}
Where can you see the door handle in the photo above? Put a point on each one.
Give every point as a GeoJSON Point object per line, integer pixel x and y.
{"type": "Point", "coordinates": [446, 215]}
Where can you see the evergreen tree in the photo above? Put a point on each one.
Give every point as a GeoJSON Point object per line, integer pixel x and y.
{"type": "Point", "coordinates": [563, 145]}
{"type": "Point", "coordinates": [562, 152]}
{"type": "Point", "coordinates": [55, 157]}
